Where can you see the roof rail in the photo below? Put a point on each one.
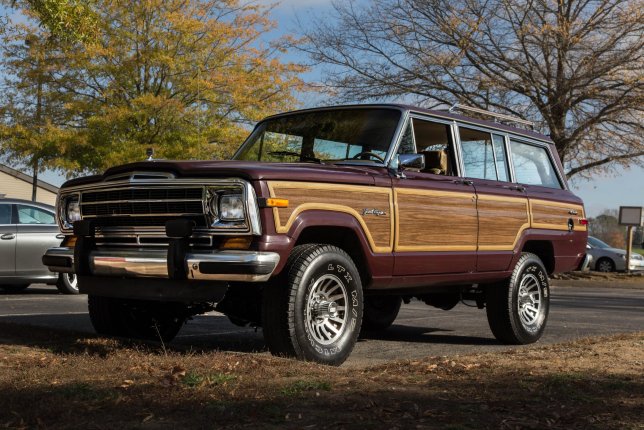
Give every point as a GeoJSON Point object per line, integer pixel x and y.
{"type": "Point", "coordinates": [497, 116]}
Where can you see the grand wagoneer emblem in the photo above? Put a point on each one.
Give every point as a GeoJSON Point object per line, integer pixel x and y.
{"type": "Point", "coordinates": [376, 212]}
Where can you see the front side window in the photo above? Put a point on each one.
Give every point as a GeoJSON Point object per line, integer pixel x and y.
{"type": "Point", "coordinates": [34, 215]}
{"type": "Point", "coordinates": [325, 135]}
{"type": "Point", "coordinates": [532, 165]}
{"type": "Point", "coordinates": [5, 213]}
{"type": "Point", "coordinates": [432, 139]}
{"type": "Point", "coordinates": [483, 155]}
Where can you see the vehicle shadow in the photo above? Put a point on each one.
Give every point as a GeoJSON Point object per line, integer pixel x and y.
{"type": "Point", "coordinates": [74, 334]}
{"type": "Point", "coordinates": [414, 334]}
{"type": "Point", "coordinates": [39, 289]}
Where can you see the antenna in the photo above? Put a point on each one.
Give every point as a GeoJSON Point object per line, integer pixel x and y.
{"type": "Point", "coordinates": [495, 115]}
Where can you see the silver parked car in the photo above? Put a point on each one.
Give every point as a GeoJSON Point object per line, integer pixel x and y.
{"type": "Point", "coordinates": [609, 259]}
{"type": "Point", "coordinates": [27, 230]}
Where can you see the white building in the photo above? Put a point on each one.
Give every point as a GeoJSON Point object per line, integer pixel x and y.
{"type": "Point", "coordinates": [17, 185]}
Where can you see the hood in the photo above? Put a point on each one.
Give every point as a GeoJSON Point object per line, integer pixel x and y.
{"type": "Point", "coordinates": [253, 171]}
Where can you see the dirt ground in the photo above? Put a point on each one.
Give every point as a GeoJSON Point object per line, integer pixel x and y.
{"type": "Point", "coordinates": [52, 379]}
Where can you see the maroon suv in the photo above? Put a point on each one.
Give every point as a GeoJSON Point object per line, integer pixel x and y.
{"type": "Point", "coordinates": [324, 222]}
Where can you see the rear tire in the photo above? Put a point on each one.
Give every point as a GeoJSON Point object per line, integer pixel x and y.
{"type": "Point", "coordinates": [315, 312]}
{"type": "Point", "coordinates": [14, 288]}
{"type": "Point", "coordinates": [380, 312]}
{"type": "Point", "coordinates": [136, 319]}
{"type": "Point", "coordinates": [517, 310]}
{"type": "Point", "coordinates": [67, 283]}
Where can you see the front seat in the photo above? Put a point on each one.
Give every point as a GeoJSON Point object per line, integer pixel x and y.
{"type": "Point", "coordinates": [435, 162]}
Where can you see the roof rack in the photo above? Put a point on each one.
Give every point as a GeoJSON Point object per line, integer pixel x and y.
{"type": "Point", "coordinates": [496, 116]}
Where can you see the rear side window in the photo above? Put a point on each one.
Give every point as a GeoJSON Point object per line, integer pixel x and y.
{"type": "Point", "coordinates": [532, 166]}
{"type": "Point", "coordinates": [33, 215]}
{"type": "Point", "coordinates": [5, 214]}
{"type": "Point", "coordinates": [483, 155]}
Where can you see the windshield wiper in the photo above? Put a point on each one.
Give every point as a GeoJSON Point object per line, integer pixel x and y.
{"type": "Point", "coordinates": [295, 154]}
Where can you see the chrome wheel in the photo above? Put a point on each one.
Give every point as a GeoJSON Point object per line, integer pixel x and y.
{"type": "Point", "coordinates": [71, 280]}
{"type": "Point", "coordinates": [326, 314]}
{"type": "Point", "coordinates": [529, 302]}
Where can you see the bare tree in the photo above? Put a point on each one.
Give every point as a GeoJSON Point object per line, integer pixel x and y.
{"type": "Point", "coordinates": [573, 65]}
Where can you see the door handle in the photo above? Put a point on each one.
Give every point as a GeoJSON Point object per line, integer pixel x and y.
{"type": "Point", "coordinates": [8, 236]}
{"type": "Point", "coordinates": [520, 188]}
{"type": "Point", "coordinates": [463, 181]}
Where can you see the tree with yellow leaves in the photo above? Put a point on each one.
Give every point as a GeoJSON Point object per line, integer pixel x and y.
{"type": "Point", "coordinates": [183, 77]}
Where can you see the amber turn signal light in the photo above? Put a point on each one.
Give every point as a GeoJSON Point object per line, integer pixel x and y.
{"type": "Point", "coordinates": [236, 243]}
{"type": "Point", "coordinates": [277, 203]}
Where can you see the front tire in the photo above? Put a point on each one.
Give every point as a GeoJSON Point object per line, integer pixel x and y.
{"type": "Point", "coordinates": [605, 265]}
{"type": "Point", "coordinates": [517, 310]}
{"type": "Point", "coordinates": [67, 283]}
{"type": "Point", "coordinates": [315, 312]}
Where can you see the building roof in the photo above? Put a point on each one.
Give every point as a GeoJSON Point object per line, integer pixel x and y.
{"type": "Point", "coordinates": [19, 175]}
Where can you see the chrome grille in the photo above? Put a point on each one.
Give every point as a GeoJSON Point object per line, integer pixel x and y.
{"type": "Point", "coordinates": [132, 206]}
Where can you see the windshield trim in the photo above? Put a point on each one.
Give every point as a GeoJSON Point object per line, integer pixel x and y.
{"type": "Point", "coordinates": [404, 113]}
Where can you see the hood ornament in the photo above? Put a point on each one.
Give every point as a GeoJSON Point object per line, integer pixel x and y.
{"type": "Point", "coordinates": [150, 154]}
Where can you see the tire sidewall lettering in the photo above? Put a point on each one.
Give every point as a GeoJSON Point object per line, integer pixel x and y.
{"type": "Point", "coordinates": [343, 274]}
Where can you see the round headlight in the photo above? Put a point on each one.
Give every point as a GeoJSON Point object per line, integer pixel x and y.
{"type": "Point", "coordinates": [231, 207]}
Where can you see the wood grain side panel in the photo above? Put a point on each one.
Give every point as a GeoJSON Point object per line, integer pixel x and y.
{"type": "Point", "coordinates": [555, 215]}
{"type": "Point", "coordinates": [339, 198]}
{"type": "Point", "coordinates": [501, 221]}
{"type": "Point", "coordinates": [435, 221]}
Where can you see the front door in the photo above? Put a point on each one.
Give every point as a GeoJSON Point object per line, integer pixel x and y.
{"type": "Point", "coordinates": [36, 232]}
{"type": "Point", "coordinates": [436, 221]}
{"type": "Point", "coordinates": [7, 241]}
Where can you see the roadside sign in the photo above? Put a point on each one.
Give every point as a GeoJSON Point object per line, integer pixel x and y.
{"type": "Point", "coordinates": [630, 215]}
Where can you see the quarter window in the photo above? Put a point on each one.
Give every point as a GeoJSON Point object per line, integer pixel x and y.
{"type": "Point", "coordinates": [33, 215]}
{"type": "Point", "coordinates": [532, 165]}
{"type": "Point", "coordinates": [483, 155]}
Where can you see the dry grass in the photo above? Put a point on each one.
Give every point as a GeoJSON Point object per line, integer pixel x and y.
{"type": "Point", "coordinates": [53, 379]}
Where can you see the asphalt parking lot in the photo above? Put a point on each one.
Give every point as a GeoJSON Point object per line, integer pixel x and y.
{"type": "Point", "coordinates": [576, 312]}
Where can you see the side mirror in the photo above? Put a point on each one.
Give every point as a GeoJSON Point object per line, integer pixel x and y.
{"type": "Point", "coordinates": [413, 161]}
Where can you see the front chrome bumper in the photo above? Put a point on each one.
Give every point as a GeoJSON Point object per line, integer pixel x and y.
{"type": "Point", "coordinates": [244, 266]}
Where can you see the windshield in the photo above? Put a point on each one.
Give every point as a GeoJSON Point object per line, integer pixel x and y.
{"type": "Point", "coordinates": [326, 135]}
{"type": "Point", "coordinates": [596, 243]}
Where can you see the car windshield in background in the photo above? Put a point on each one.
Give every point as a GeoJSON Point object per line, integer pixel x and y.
{"type": "Point", "coordinates": [594, 242]}
{"type": "Point", "coordinates": [325, 135]}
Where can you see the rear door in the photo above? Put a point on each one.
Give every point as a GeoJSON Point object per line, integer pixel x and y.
{"type": "Point", "coordinates": [7, 241]}
{"type": "Point", "coordinates": [36, 232]}
{"type": "Point", "coordinates": [436, 220]}
{"type": "Point", "coordinates": [502, 206]}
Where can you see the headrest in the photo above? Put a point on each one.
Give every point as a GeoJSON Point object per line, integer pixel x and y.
{"type": "Point", "coordinates": [435, 162]}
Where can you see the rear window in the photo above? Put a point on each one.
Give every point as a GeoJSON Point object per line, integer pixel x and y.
{"type": "Point", "coordinates": [5, 214]}
{"type": "Point", "coordinates": [532, 165]}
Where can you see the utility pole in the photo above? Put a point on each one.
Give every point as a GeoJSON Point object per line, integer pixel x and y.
{"type": "Point", "coordinates": [35, 162]}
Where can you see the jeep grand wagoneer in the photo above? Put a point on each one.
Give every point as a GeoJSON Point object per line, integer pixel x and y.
{"type": "Point", "coordinates": [324, 221]}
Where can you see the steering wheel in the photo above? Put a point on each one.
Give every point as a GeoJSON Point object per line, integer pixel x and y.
{"type": "Point", "coordinates": [370, 154]}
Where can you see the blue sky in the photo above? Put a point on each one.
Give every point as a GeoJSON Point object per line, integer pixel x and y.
{"type": "Point", "coordinates": [624, 188]}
